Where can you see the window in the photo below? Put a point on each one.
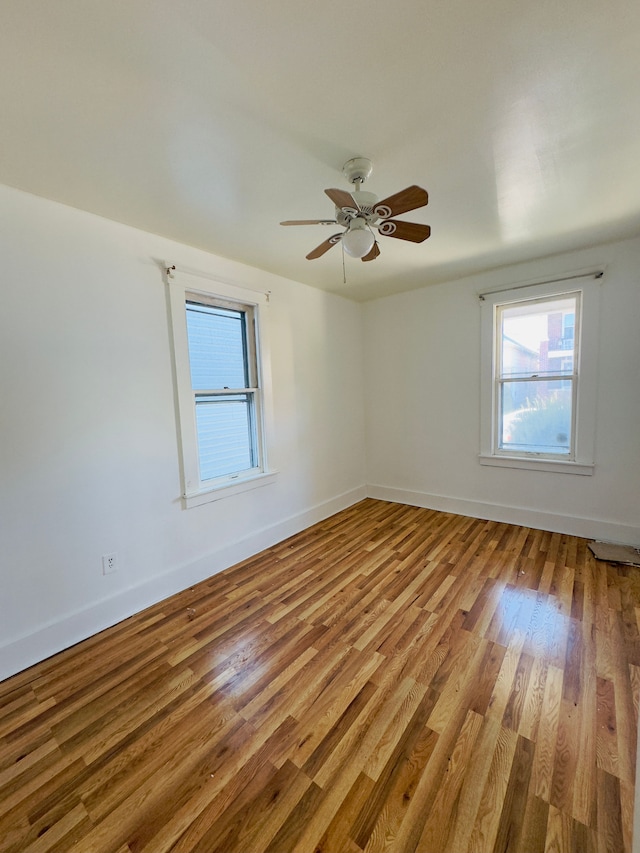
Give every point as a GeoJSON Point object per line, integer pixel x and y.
{"type": "Point", "coordinates": [538, 376]}
{"type": "Point", "coordinates": [536, 379]}
{"type": "Point", "coordinates": [224, 386]}
{"type": "Point", "coordinates": [221, 379]}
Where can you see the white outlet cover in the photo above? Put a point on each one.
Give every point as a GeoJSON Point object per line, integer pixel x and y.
{"type": "Point", "coordinates": [109, 564]}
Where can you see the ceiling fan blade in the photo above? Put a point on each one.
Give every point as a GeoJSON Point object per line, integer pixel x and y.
{"type": "Point", "coordinates": [373, 254]}
{"type": "Point", "coordinates": [309, 222]}
{"type": "Point", "coordinates": [343, 199]}
{"type": "Point", "coordinates": [402, 202]}
{"type": "Point", "coordinates": [324, 247]}
{"type": "Point", "coordinates": [412, 231]}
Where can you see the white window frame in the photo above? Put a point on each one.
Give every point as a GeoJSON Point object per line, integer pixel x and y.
{"type": "Point", "coordinates": [581, 460]}
{"type": "Point", "coordinates": [187, 287]}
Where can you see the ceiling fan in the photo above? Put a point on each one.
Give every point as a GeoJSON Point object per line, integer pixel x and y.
{"type": "Point", "coordinates": [360, 212]}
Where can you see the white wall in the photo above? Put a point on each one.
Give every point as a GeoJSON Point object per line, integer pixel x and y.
{"type": "Point", "coordinates": [88, 442]}
{"type": "Point", "coordinates": [422, 354]}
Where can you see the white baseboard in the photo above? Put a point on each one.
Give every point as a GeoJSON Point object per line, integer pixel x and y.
{"type": "Point", "coordinates": [22, 652]}
{"type": "Point", "coordinates": [588, 528]}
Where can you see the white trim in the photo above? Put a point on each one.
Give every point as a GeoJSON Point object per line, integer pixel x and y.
{"type": "Point", "coordinates": [225, 490]}
{"type": "Point", "coordinates": [22, 652]}
{"type": "Point", "coordinates": [532, 464]}
{"type": "Point", "coordinates": [181, 285]}
{"type": "Point", "coordinates": [588, 528]}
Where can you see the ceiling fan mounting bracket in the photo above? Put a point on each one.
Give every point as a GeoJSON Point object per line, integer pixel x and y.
{"type": "Point", "coordinates": [357, 170]}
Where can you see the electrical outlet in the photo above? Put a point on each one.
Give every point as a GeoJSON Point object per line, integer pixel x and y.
{"type": "Point", "coordinates": [109, 564]}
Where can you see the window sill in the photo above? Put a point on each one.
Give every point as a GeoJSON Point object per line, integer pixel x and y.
{"type": "Point", "coordinates": [526, 463]}
{"type": "Point", "coordinates": [226, 490]}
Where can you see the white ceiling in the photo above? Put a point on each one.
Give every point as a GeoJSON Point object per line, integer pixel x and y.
{"type": "Point", "coordinates": [209, 121]}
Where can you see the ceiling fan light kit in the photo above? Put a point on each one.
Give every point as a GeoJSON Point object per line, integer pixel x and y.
{"type": "Point", "coordinates": [360, 212]}
{"type": "Point", "coordinates": [358, 239]}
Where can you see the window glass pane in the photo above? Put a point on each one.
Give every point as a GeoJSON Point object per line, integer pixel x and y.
{"type": "Point", "coordinates": [537, 337]}
{"type": "Point", "coordinates": [217, 349]}
{"type": "Point", "coordinates": [536, 416]}
{"type": "Point", "coordinates": [225, 434]}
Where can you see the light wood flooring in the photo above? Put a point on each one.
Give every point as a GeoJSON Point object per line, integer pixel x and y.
{"type": "Point", "coordinates": [391, 679]}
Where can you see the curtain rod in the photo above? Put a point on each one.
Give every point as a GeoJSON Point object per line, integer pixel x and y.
{"type": "Point", "coordinates": [594, 274]}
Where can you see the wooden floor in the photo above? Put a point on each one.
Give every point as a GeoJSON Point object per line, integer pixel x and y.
{"type": "Point", "coordinates": [390, 679]}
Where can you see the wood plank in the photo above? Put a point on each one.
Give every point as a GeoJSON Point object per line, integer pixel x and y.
{"type": "Point", "coordinates": [543, 765]}
{"type": "Point", "coordinates": [510, 827]}
{"type": "Point", "coordinates": [487, 822]}
{"type": "Point", "coordinates": [610, 832]}
{"type": "Point", "coordinates": [533, 837]}
{"type": "Point", "coordinates": [531, 707]}
{"type": "Point", "coordinates": [441, 821]}
{"type": "Point", "coordinates": [383, 811]}
{"type": "Point", "coordinates": [566, 757]}
{"type": "Point", "coordinates": [584, 797]}
{"type": "Point", "coordinates": [468, 805]}
{"type": "Point", "coordinates": [625, 714]}
{"type": "Point", "coordinates": [337, 836]}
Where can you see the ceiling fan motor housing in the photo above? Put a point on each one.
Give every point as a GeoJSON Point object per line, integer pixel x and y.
{"type": "Point", "coordinates": [366, 200]}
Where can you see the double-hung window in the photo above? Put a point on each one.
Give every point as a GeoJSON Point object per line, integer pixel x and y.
{"type": "Point", "coordinates": [224, 384]}
{"type": "Point", "coordinates": [222, 388]}
{"type": "Point", "coordinates": [538, 376]}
